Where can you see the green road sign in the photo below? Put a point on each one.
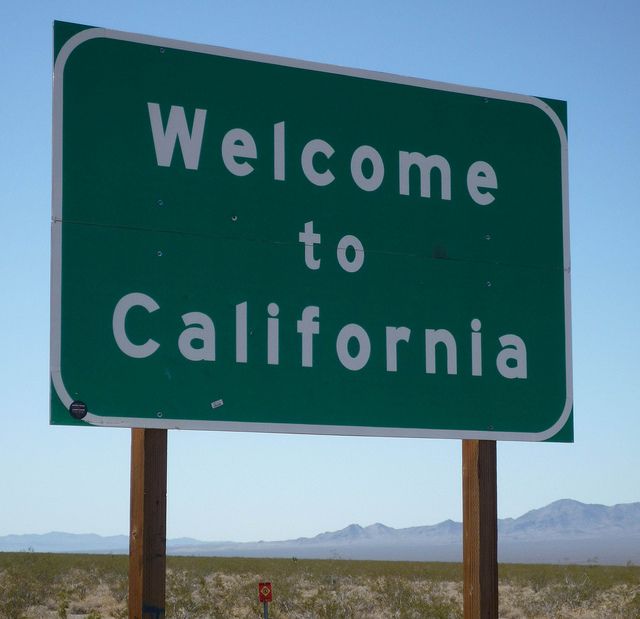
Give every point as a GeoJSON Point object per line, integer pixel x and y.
{"type": "Point", "coordinates": [244, 242]}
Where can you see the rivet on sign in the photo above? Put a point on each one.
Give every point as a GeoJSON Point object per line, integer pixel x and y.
{"type": "Point", "coordinates": [159, 253]}
{"type": "Point", "coordinates": [160, 203]}
{"type": "Point", "coordinates": [162, 50]}
{"type": "Point", "coordinates": [488, 284]}
{"type": "Point", "coordinates": [488, 237]}
{"type": "Point", "coordinates": [234, 218]}
{"type": "Point", "coordinates": [159, 414]}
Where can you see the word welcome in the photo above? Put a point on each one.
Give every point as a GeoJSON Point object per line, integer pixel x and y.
{"type": "Point", "coordinates": [367, 168]}
{"type": "Point", "coordinates": [197, 341]}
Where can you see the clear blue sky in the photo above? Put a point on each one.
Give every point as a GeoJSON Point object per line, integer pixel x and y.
{"type": "Point", "coordinates": [581, 51]}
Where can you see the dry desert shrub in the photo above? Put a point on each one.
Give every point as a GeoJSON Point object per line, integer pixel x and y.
{"type": "Point", "coordinates": [42, 586]}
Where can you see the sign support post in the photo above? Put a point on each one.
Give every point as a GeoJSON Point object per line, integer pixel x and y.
{"type": "Point", "coordinates": [147, 542]}
{"type": "Point", "coordinates": [480, 529]}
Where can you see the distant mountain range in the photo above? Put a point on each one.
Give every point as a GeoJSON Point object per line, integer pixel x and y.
{"type": "Point", "coordinates": [565, 531]}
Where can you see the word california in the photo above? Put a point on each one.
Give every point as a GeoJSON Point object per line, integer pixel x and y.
{"type": "Point", "coordinates": [196, 341]}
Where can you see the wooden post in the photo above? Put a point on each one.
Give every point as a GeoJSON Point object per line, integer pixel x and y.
{"type": "Point", "coordinates": [147, 541]}
{"type": "Point", "coordinates": [480, 529]}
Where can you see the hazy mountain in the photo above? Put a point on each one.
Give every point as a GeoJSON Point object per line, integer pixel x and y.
{"type": "Point", "coordinates": [567, 519]}
{"type": "Point", "coordinates": [63, 542]}
{"type": "Point", "coordinates": [77, 542]}
{"type": "Point", "coordinates": [565, 531]}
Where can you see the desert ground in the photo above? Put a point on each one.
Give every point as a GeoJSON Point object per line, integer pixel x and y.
{"type": "Point", "coordinates": [43, 586]}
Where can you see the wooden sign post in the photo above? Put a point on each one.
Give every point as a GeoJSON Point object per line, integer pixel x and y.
{"type": "Point", "coordinates": [147, 542]}
{"type": "Point", "coordinates": [480, 529]}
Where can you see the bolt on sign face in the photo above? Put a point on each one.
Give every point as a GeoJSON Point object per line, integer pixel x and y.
{"type": "Point", "coordinates": [243, 242]}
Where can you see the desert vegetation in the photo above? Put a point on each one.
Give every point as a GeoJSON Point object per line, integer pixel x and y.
{"type": "Point", "coordinates": [59, 586]}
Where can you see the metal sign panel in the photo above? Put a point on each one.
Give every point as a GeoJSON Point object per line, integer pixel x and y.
{"type": "Point", "coordinates": [265, 592]}
{"type": "Point", "coordinates": [244, 242]}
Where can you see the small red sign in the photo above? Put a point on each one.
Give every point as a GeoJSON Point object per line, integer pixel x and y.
{"type": "Point", "coordinates": [265, 593]}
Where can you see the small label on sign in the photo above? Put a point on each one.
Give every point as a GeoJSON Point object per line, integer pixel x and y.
{"type": "Point", "coordinates": [265, 592]}
{"type": "Point", "coordinates": [217, 404]}
{"type": "Point", "coordinates": [78, 410]}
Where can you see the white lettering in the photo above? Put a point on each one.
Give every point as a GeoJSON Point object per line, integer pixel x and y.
{"type": "Point", "coordinates": [308, 152]}
{"type": "Point", "coordinates": [273, 337]}
{"type": "Point", "coordinates": [309, 238]}
{"type": "Point", "coordinates": [395, 335]}
{"type": "Point", "coordinates": [197, 341]}
{"type": "Point", "coordinates": [241, 332]}
{"type": "Point", "coordinates": [358, 361]}
{"type": "Point", "coordinates": [425, 166]}
{"type": "Point", "coordinates": [347, 241]}
{"type": "Point", "coordinates": [361, 154]}
{"type": "Point", "coordinates": [481, 175]}
{"type": "Point", "coordinates": [514, 349]}
{"type": "Point", "coordinates": [433, 337]}
{"type": "Point", "coordinates": [307, 327]}
{"type": "Point", "coordinates": [238, 143]}
{"type": "Point", "coordinates": [278, 152]}
{"type": "Point", "coordinates": [133, 299]}
{"type": "Point", "coordinates": [476, 348]}
{"type": "Point", "coordinates": [204, 331]}
{"type": "Point", "coordinates": [164, 141]}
